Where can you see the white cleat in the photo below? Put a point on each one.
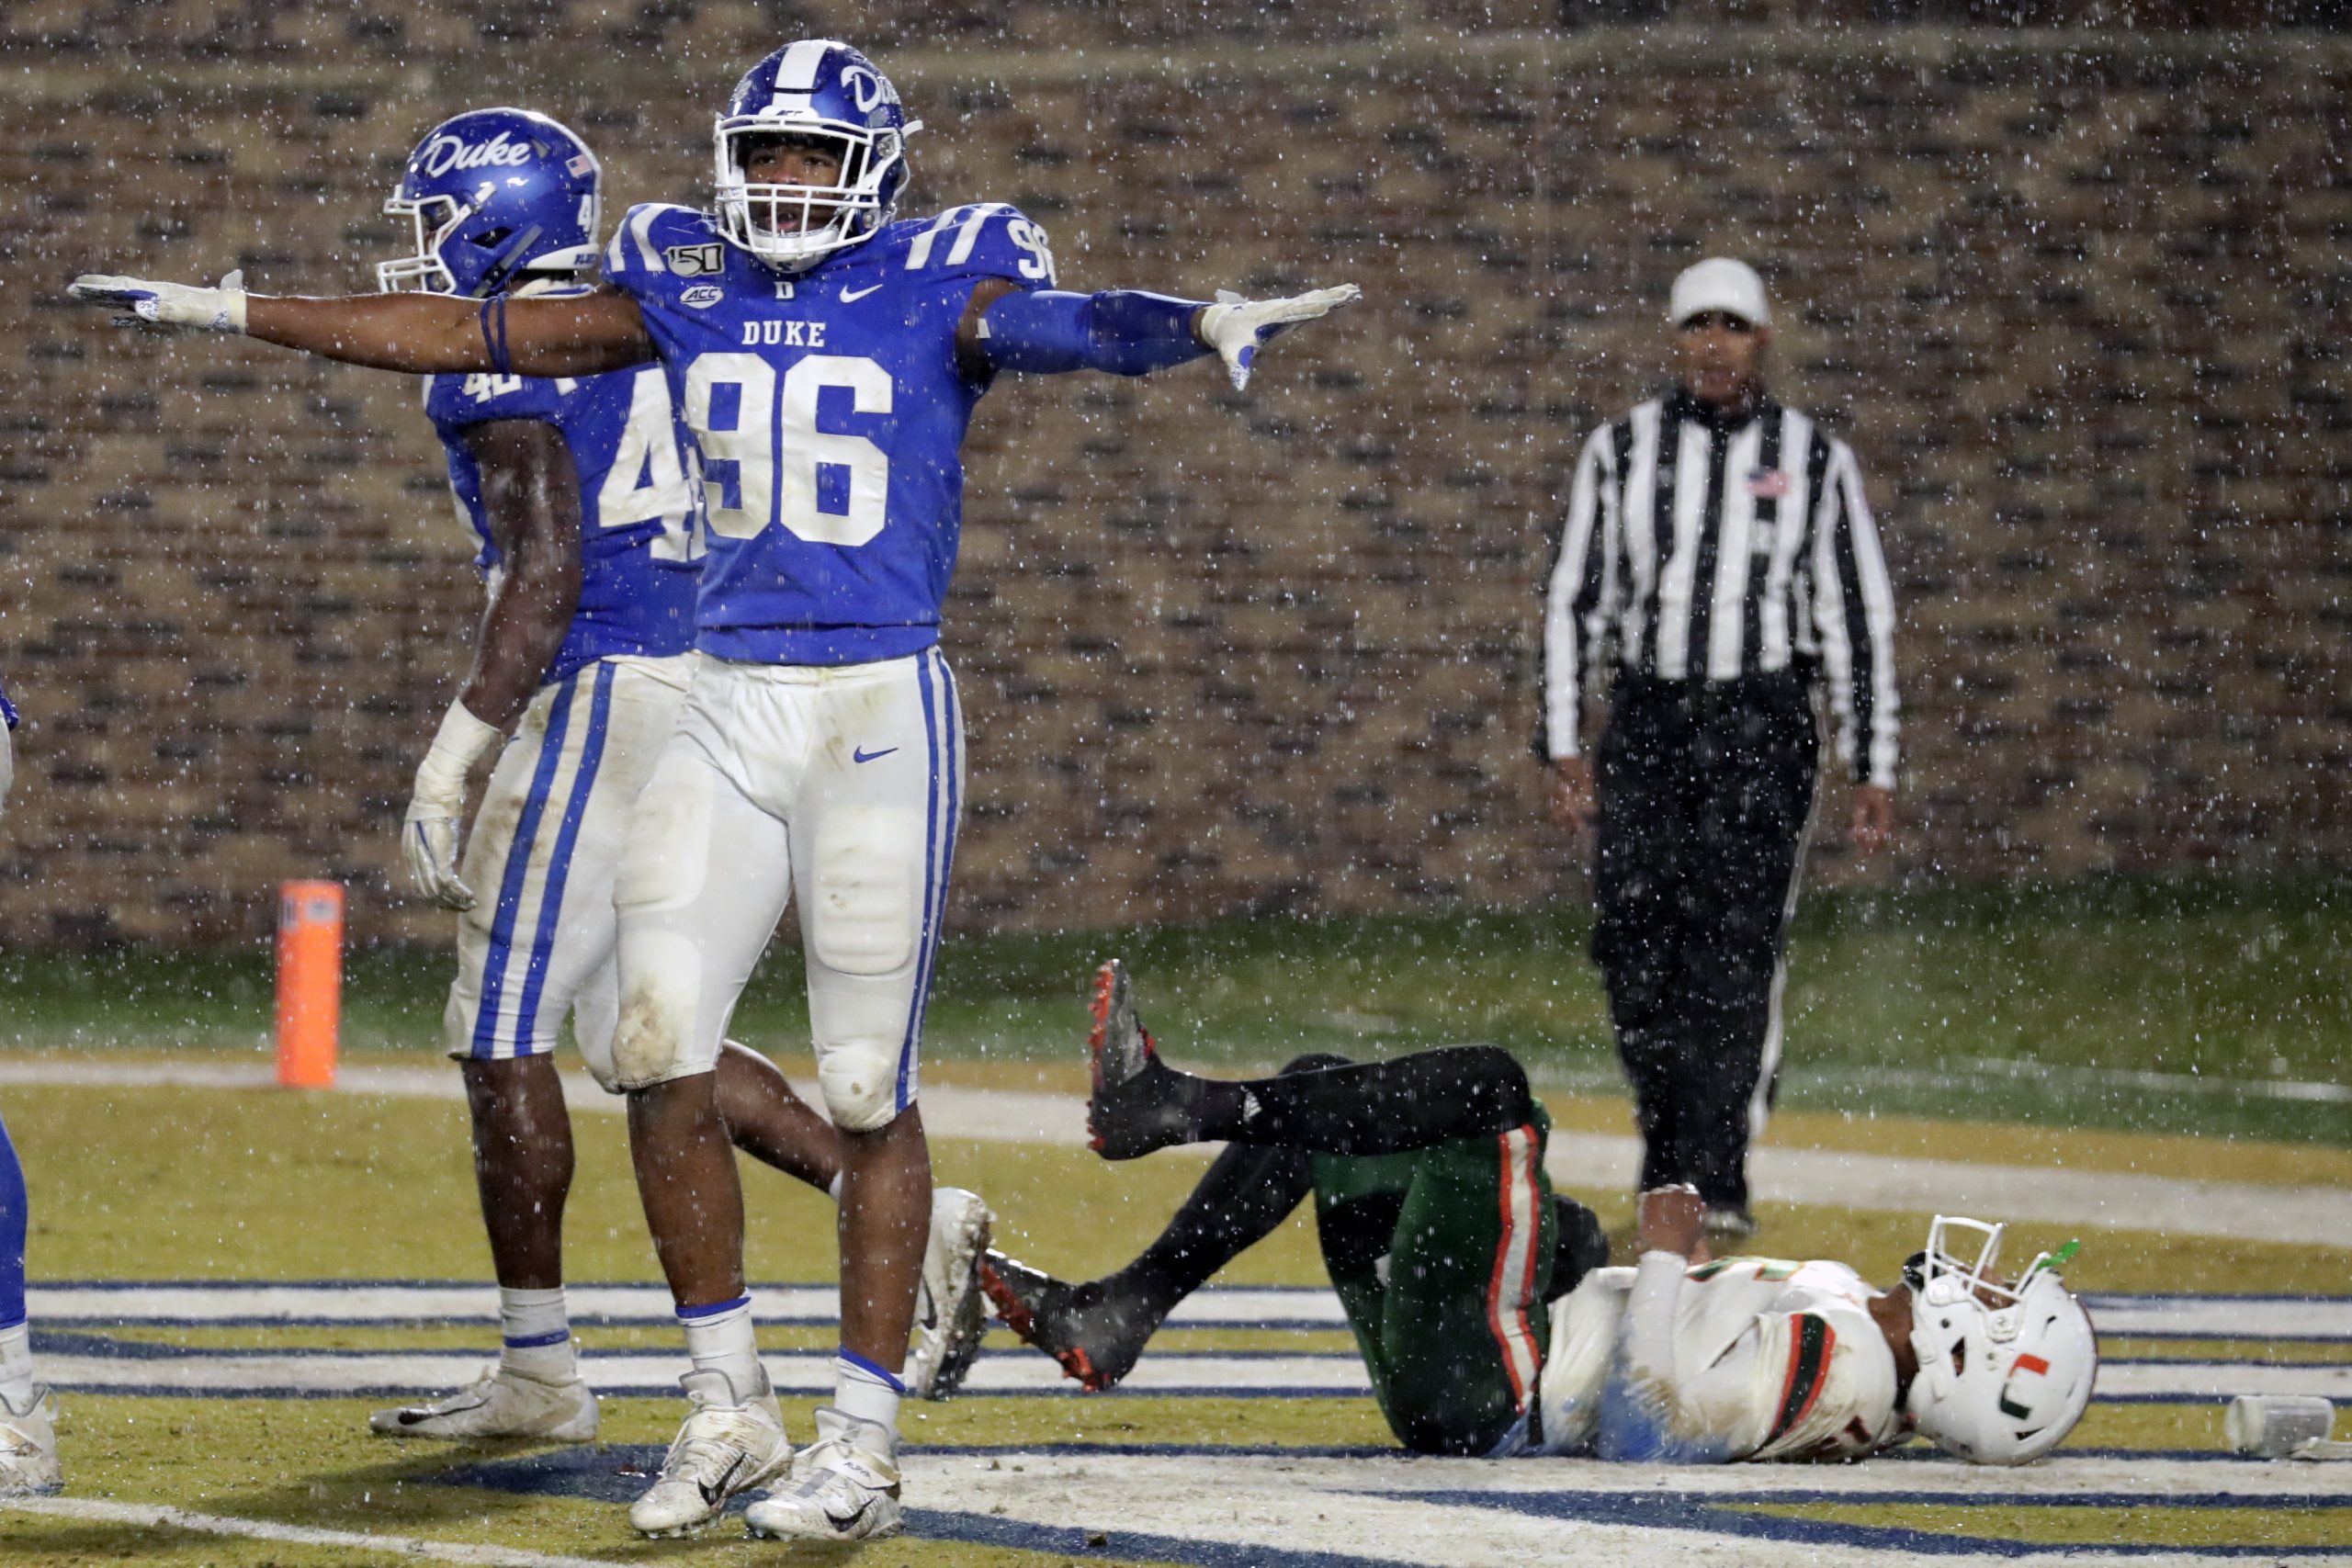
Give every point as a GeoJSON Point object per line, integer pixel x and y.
{"type": "Point", "coordinates": [29, 1447]}
{"type": "Point", "coordinates": [502, 1402]}
{"type": "Point", "coordinates": [847, 1488]}
{"type": "Point", "coordinates": [951, 1318]}
{"type": "Point", "coordinates": [731, 1443]}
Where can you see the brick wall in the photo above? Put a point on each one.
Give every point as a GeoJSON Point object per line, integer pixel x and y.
{"type": "Point", "coordinates": [2078, 304]}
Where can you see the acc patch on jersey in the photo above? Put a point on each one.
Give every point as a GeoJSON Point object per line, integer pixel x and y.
{"type": "Point", "coordinates": [697, 261]}
{"type": "Point", "coordinates": [702, 296]}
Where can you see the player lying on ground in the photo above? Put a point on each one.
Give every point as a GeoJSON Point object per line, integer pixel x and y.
{"type": "Point", "coordinates": [827, 361]}
{"type": "Point", "coordinates": [573, 492]}
{"type": "Point", "coordinates": [1440, 1237]}
{"type": "Point", "coordinates": [27, 1429]}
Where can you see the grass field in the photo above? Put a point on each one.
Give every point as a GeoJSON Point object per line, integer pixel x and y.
{"type": "Point", "coordinates": [2236, 985]}
{"type": "Point", "coordinates": [2034, 1003]}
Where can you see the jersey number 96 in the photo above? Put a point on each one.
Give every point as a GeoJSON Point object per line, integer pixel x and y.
{"type": "Point", "coordinates": [763, 455]}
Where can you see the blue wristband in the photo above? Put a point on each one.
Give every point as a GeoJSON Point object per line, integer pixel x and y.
{"type": "Point", "coordinates": [1124, 331]}
{"type": "Point", "coordinates": [495, 341]}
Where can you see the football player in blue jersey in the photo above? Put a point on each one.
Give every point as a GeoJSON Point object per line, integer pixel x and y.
{"type": "Point", "coordinates": [28, 1427]}
{"type": "Point", "coordinates": [827, 359]}
{"type": "Point", "coordinates": [575, 492]}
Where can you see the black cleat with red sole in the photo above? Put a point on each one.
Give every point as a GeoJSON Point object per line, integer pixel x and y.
{"type": "Point", "coordinates": [1093, 1334]}
{"type": "Point", "coordinates": [1140, 1103]}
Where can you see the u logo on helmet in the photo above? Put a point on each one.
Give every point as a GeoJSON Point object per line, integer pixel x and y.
{"type": "Point", "coordinates": [2010, 1407]}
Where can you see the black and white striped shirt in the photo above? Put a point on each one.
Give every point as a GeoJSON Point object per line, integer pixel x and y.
{"type": "Point", "coordinates": [1706, 547]}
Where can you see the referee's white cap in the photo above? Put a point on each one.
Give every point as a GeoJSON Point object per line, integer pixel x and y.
{"type": "Point", "coordinates": [1722, 284]}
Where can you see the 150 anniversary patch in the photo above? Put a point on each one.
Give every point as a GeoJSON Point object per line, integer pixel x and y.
{"type": "Point", "coordinates": [697, 261]}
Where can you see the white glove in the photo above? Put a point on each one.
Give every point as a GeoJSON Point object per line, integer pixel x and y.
{"type": "Point", "coordinates": [437, 807]}
{"type": "Point", "coordinates": [220, 309]}
{"type": "Point", "coordinates": [1235, 326]}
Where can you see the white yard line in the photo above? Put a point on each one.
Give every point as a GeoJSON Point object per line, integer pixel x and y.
{"type": "Point", "coordinates": [244, 1372]}
{"type": "Point", "coordinates": [2101, 1199]}
{"type": "Point", "coordinates": [145, 1516]}
{"type": "Point", "coordinates": [239, 1302]}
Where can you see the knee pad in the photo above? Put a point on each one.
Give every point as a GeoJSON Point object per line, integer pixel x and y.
{"type": "Point", "coordinates": [860, 1083]}
{"type": "Point", "coordinates": [865, 911]}
{"type": "Point", "coordinates": [653, 1035]}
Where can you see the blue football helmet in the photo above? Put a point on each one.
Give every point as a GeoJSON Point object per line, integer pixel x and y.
{"type": "Point", "coordinates": [823, 93]}
{"type": "Point", "coordinates": [495, 194]}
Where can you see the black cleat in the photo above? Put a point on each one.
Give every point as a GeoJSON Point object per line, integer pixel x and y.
{"type": "Point", "coordinates": [1095, 1336]}
{"type": "Point", "coordinates": [1138, 1103]}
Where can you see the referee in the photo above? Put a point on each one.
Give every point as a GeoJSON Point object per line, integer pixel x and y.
{"type": "Point", "coordinates": [1718, 551]}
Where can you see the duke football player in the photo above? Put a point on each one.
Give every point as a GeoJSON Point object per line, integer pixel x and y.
{"type": "Point", "coordinates": [27, 1429]}
{"type": "Point", "coordinates": [574, 492]}
{"type": "Point", "coordinates": [1443, 1239]}
{"type": "Point", "coordinates": [826, 358]}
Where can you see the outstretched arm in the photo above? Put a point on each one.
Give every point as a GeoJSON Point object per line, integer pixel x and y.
{"type": "Point", "coordinates": [530, 491]}
{"type": "Point", "coordinates": [1125, 331]}
{"type": "Point", "coordinates": [579, 334]}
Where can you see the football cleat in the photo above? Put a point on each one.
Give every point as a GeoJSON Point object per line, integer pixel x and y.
{"type": "Point", "coordinates": [29, 1446]}
{"type": "Point", "coordinates": [1093, 1333]}
{"type": "Point", "coordinates": [1137, 1104]}
{"type": "Point", "coordinates": [951, 1318]}
{"type": "Point", "coordinates": [733, 1442]}
{"type": "Point", "coordinates": [502, 1402]}
{"type": "Point", "coordinates": [846, 1488]}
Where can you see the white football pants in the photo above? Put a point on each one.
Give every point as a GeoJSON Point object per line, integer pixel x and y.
{"type": "Point", "coordinates": [840, 786]}
{"type": "Point", "coordinates": [546, 847]}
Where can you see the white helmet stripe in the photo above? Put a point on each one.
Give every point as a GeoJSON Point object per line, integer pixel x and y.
{"type": "Point", "coordinates": [796, 74]}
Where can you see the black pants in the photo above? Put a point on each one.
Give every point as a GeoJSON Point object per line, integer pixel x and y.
{"type": "Point", "coordinates": [1704, 792]}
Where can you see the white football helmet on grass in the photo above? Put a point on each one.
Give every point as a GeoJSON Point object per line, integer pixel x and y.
{"type": "Point", "coordinates": [2005, 1369]}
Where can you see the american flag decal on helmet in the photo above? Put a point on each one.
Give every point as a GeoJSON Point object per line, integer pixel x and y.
{"type": "Point", "coordinates": [1766, 484]}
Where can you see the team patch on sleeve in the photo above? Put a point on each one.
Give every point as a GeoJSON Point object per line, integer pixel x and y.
{"type": "Point", "coordinates": [1807, 1373]}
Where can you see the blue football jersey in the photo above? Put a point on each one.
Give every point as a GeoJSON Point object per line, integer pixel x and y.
{"type": "Point", "coordinates": [636, 509]}
{"type": "Point", "coordinates": [828, 410]}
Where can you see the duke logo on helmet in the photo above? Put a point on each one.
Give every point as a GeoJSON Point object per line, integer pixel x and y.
{"type": "Point", "coordinates": [494, 194]}
{"type": "Point", "coordinates": [825, 96]}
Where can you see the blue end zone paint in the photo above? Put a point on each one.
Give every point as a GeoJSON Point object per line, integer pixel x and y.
{"type": "Point", "coordinates": [1723, 1514]}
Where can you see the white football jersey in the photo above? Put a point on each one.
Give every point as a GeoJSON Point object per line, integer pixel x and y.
{"type": "Point", "coordinates": [1740, 1359]}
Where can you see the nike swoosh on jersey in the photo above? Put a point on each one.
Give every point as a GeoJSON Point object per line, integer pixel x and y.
{"type": "Point", "coordinates": [851, 296]}
{"type": "Point", "coordinates": [862, 755]}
